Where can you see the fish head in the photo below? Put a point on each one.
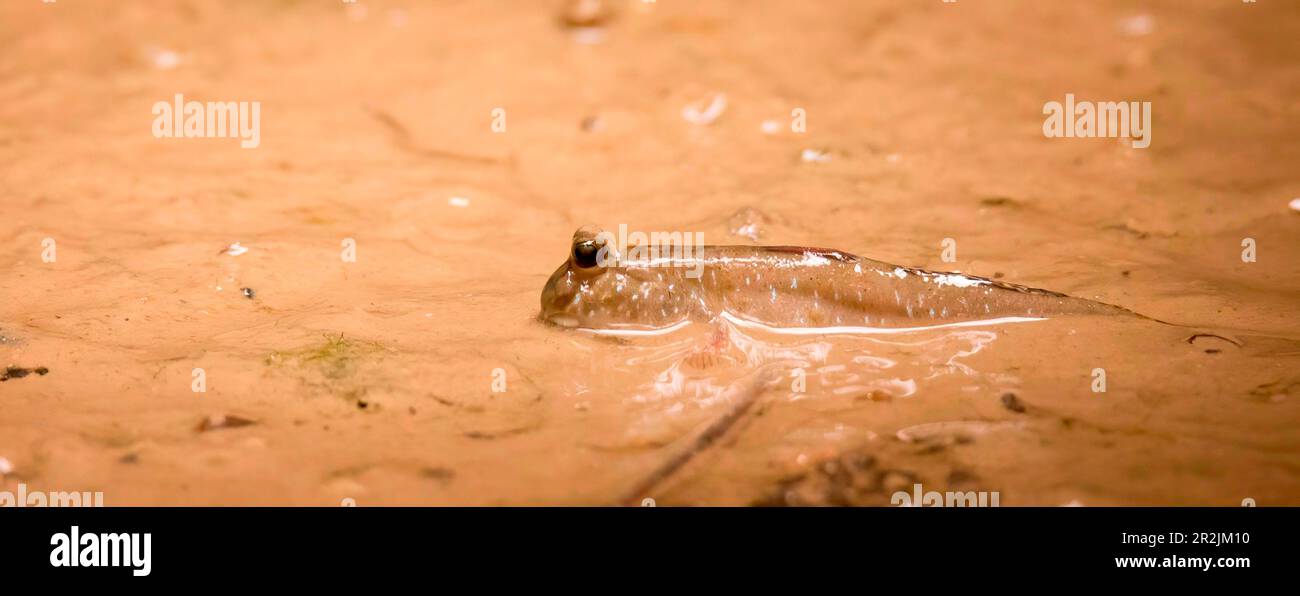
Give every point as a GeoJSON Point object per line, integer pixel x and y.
{"type": "Point", "coordinates": [592, 289]}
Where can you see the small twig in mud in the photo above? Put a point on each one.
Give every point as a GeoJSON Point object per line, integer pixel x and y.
{"type": "Point", "coordinates": [219, 421]}
{"type": "Point", "coordinates": [702, 442]}
{"type": "Point", "coordinates": [1192, 338]}
{"type": "Point", "coordinates": [404, 141]}
{"type": "Point", "coordinates": [525, 193]}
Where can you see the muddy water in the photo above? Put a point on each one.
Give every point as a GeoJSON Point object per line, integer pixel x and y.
{"type": "Point", "coordinates": [373, 380]}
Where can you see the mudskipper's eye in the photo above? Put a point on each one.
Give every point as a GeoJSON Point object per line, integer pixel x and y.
{"type": "Point", "coordinates": [584, 254]}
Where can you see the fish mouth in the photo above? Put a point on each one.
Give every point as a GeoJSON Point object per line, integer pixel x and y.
{"type": "Point", "coordinates": [562, 320]}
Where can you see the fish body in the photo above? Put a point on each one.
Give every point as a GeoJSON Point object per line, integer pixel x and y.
{"type": "Point", "coordinates": [781, 286]}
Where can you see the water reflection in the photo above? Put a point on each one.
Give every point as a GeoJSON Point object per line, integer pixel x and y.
{"type": "Point", "coordinates": [675, 385]}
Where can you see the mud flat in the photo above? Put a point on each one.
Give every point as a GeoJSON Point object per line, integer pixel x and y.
{"type": "Point", "coordinates": [395, 231]}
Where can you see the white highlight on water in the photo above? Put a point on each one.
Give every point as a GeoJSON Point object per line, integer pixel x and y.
{"type": "Point", "coordinates": [871, 330]}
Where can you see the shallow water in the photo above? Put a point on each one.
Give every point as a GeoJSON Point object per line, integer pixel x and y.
{"type": "Point", "coordinates": [373, 380]}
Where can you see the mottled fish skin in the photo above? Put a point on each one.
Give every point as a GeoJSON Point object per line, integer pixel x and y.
{"type": "Point", "coordinates": [785, 286]}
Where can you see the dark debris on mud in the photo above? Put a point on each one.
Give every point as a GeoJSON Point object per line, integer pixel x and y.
{"type": "Point", "coordinates": [439, 474]}
{"type": "Point", "coordinates": [18, 372]}
{"type": "Point", "coordinates": [861, 479]}
{"type": "Point", "coordinates": [853, 479]}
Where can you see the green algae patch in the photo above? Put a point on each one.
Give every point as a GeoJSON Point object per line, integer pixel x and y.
{"type": "Point", "coordinates": [338, 365]}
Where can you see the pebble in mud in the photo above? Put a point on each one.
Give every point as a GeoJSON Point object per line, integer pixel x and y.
{"type": "Point", "coordinates": [814, 156]}
{"type": "Point", "coordinates": [234, 250]}
{"type": "Point", "coordinates": [586, 13]}
{"type": "Point", "coordinates": [442, 475]}
{"type": "Point", "coordinates": [1013, 403]}
{"type": "Point", "coordinates": [959, 476]}
{"type": "Point", "coordinates": [162, 58]}
{"type": "Point", "coordinates": [747, 223]}
{"type": "Point", "coordinates": [874, 395]}
{"type": "Point", "coordinates": [999, 201]}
